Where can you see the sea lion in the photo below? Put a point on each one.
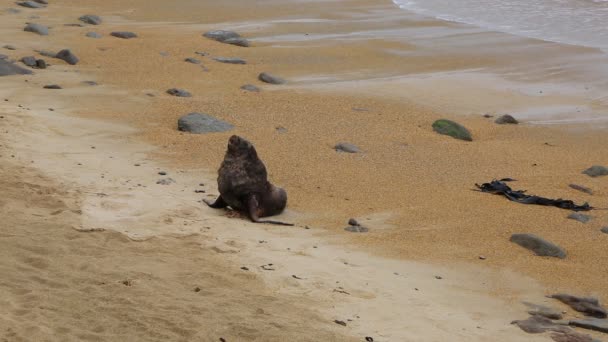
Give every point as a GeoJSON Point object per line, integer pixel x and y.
{"type": "Point", "coordinates": [243, 184]}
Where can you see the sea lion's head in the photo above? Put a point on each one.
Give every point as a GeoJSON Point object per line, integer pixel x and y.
{"type": "Point", "coordinates": [237, 145]}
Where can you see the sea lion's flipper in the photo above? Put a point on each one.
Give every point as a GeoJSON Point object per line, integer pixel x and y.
{"type": "Point", "coordinates": [252, 211]}
{"type": "Point", "coordinates": [218, 204]}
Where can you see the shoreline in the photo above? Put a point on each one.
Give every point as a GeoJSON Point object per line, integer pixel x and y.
{"type": "Point", "coordinates": [387, 187]}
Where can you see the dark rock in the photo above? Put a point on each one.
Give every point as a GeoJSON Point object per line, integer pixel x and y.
{"type": "Point", "coordinates": [600, 325]}
{"type": "Point", "coordinates": [52, 86]}
{"type": "Point", "coordinates": [250, 87]}
{"type": "Point", "coordinates": [268, 78]}
{"type": "Point", "coordinates": [91, 83]}
{"type": "Point", "coordinates": [123, 34]}
{"type": "Point", "coordinates": [165, 181]}
{"type": "Point", "coordinates": [31, 4]}
{"type": "Point", "coordinates": [581, 188]}
{"type": "Point", "coordinates": [356, 229]}
{"type": "Point", "coordinates": [587, 305]}
{"type": "Point", "coordinates": [353, 222]}
{"type": "Point", "coordinates": [44, 2]}
{"type": "Point", "coordinates": [281, 129]}
{"type": "Point", "coordinates": [8, 68]}
{"type": "Point", "coordinates": [221, 35]}
{"type": "Point", "coordinates": [604, 230]}
{"type": "Point", "coordinates": [538, 324]}
{"type": "Point", "coordinates": [596, 171]}
{"type": "Point", "coordinates": [230, 60]}
{"type": "Point", "coordinates": [30, 61]}
{"type": "Point", "coordinates": [201, 53]}
{"type": "Point", "coordinates": [202, 123]}
{"type": "Point", "coordinates": [453, 129]}
{"type": "Point", "coordinates": [40, 64]}
{"type": "Point", "coordinates": [74, 25]}
{"type": "Point", "coordinates": [192, 60]}
{"type": "Point", "coordinates": [90, 19]}
{"type": "Point", "coordinates": [178, 92]}
{"type": "Point", "coordinates": [506, 119]}
{"type": "Point", "coordinates": [67, 56]}
{"type": "Point", "coordinates": [346, 147]}
{"type": "Point", "coordinates": [242, 42]}
{"type": "Point", "coordinates": [10, 47]}
{"type": "Point", "coordinates": [37, 28]}
{"type": "Point", "coordinates": [580, 217]}
{"type": "Point", "coordinates": [538, 245]}
{"type": "Point", "coordinates": [544, 311]}
{"type": "Point", "coordinates": [93, 35]}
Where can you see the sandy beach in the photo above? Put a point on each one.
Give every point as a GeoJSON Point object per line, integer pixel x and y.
{"type": "Point", "coordinates": [94, 249]}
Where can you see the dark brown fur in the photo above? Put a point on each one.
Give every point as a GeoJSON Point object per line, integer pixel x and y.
{"type": "Point", "coordinates": [243, 184]}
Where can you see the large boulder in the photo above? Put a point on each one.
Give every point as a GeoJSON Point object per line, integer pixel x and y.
{"type": "Point", "coordinates": [7, 68]}
{"type": "Point", "coordinates": [600, 325]}
{"type": "Point", "coordinates": [453, 129]}
{"type": "Point", "coordinates": [538, 245]}
{"type": "Point", "coordinates": [37, 28]}
{"type": "Point", "coordinates": [202, 123]}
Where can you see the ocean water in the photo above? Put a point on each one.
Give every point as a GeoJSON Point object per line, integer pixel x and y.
{"type": "Point", "coordinates": [575, 22]}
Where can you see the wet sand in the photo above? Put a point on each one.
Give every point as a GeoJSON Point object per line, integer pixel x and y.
{"type": "Point", "coordinates": [410, 186]}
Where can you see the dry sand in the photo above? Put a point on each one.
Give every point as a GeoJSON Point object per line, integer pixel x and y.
{"type": "Point", "coordinates": [82, 218]}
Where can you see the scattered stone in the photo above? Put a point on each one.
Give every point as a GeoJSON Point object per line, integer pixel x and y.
{"type": "Point", "coordinates": [281, 129]}
{"type": "Point", "coordinates": [538, 324]}
{"type": "Point", "coordinates": [487, 116]}
{"type": "Point", "coordinates": [369, 339]}
{"type": "Point", "coordinates": [581, 188]}
{"type": "Point", "coordinates": [438, 277]}
{"type": "Point", "coordinates": [67, 56]}
{"type": "Point", "coordinates": [229, 60]}
{"type": "Point", "coordinates": [162, 173]}
{"type": "Point", "coordinates": [165, 181]}
{"type": "Point", "coordinates": [453, 129]}
{"type": "Point", "coordinates": [74, 25]}
{"type": "Point", "coordinates": [481, 257]}
{"type": "Point", "coordinates": [346, 147]}
{"type": "Point", "coordinates": [52, 86]}
{"type": "Point", "coordinates": [93, 35]}
{"type": "Point", "coordinates": [201, 53]}
{"type": "Point", "coordinates": [40, 64]}
{"type": "Point", "coordinates": [596, 171]}
{"type": "Point", "coordinates": [353, 222]}
{"type": "Point", "coordinates": [178, 92]}
{"type": "Point", "coordinates": [8, 68]}
{"type": "Point", "coordinates": [123, 34]}
{"type": "Point", "coordinates": [544, 311]}
{"type": "Point", "coordinates": [228, 37]}
{"type": "Point", "coordinates": [538, 245]}
{"type": "Point", "coordinates": [604, 230]}
{"type": "Point", "coordinates": [46, 53]}
{"type": "Point", "coordinates": [90, 19]}
{"type": "Point", "coordinates": [242, 42]}
{"type": "Point", "coordinates": [30, 61]}
{"type": "Point", "coordinates": [199, 123]}
{"type": "Point", "coordinates": [44, 2]}
{"type": "Point", "coordinates": [37, 28]}
{"type": "Point", "coordinates": [268, 78]}
{"type": "Point", "coordinates": [197, 289]}
{"type": "Point", "coordinates": [192, 60]}
{"type": "Point", "coordinates": [506, 119]}
{"type": "Point", "coordinates": [356, 229]}
{"type": "Point", "coordinates": [587, 305]}
{"type": "Point", "coordinates": [31, 4]}
{"type": "Point", "coordinates": [342, 323]}
{"type": "Point", "coordinates": [90, 83]}
{"type": "Point", "coordinates": [600, 325]}
{"type": "Point", "coordinates": [250, 87]}
{"type": "Point", "coordinates": [580, 217]}
{"type": "Point", "coordinates": [10, 47]}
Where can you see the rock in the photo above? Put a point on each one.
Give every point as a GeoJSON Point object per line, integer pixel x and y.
{"type": "Point", "coordinates": [46, 53]}
{"type": "Point", "coordinates": [538, 324]}
{"type": "Point", "coordinates": [165, 181]}
{"type": "Point", "coordinates": [8, 68]}
{"type": "Point", "coordinates": [67, 56]}
{"type": "Point", "coordinates": [37, 28]}
{"type": "Point", "coordinates": [353, 222]}
{"type": "Point", "coordinates": [604, 230]}
{"type": "Point", "coordinates": [90, 19]}
{"type": "Point", "coordinates": [453, 129]}
{"type": "Point", "coordinates": [52, 86]}
{"type": "Point", "coordinates": [346, 147]}
{"type": "Point", "coordinates": [9, 47]}
{"type": "Point", "coordinates": [580, 217]}
{"type": "Point", "coordinates": [596, 171]}
{"type": "Point", "coordinates": [242, 42]}
{"type": "Point", "coordinates": [90, 83]}
{"type": "Point", "coordinates": [199, 123]}
{"type": "Point", "coordinates": [221, 35]}
{"type": "Point", "coordinates": [44, 2]}
{"type": "Point", "coordinates": [544, 311]}
{"type": "Point", "coordinates": [281, 129]}
{"type": "Point", "coordinates": [251, 87]}
{"type": "Point", "coordinates": [538, 245]}
{"type": "Point", "coordinates": [201, 53]}
{"type": "Point", "coordinates": [581, 188]}
{"type": "Point", "coordinates": [230, 60]}
{"type": "Point", "coordinates": [123, 34]}
{"type": "Point", "coordinates": [587, 305]}
{"type": "Point", "coordinates": [192, 60]}
{"type": "Point", "coordinates": [268, 78]}
{"type": "Point", "coordinates": [13, 11]}
{"type": "Point", "coordinates": [178, 92]}
{"type": "Point", "coordinates": [506, 119]}
{"type": "Point", "coordinates": [600, 325]}
{"type": "Point", "coordinates": [31, 4]}
{"type": "Point", "coordinates": [93, 35]}
{"type": "Point", "coordinates": [40, 64]}
{"type": "Point", "coordinates": [30, 61]}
